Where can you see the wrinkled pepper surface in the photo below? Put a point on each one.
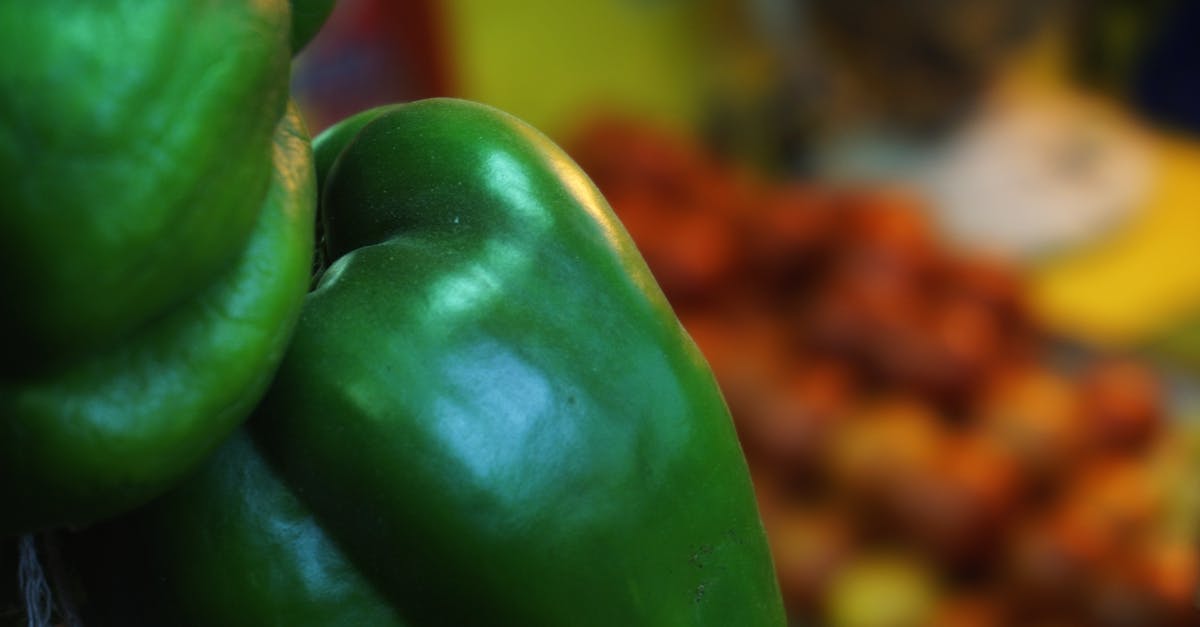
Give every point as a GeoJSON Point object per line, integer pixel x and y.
{"type": "Point", "coordinates": [488, 415]}
{"type": "Point", "coordinates": [155, 242]}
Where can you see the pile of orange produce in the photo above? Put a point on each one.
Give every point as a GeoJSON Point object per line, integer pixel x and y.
{"type": "Point", "coordinates": [924, 453]}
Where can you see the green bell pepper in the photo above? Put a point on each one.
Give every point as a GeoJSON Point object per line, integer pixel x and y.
{"type": "Point", "coordinates": [155, 242]}
{"type": "Point", "coordinates": [489, 415]}
{"type": "Point", "coordinates": [135, 139]}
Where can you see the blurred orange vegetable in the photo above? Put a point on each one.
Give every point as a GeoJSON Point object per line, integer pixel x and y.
{"type": "Point", "coordinates": [919, 455]}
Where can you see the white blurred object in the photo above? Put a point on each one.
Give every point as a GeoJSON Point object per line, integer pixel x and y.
{"type": "Point", "coordinates": [1038, 174]}
{"type": "Point", "coordinates": [1029, 174]}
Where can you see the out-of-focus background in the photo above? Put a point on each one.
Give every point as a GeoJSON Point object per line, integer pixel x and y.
{"type": "Point", "coordinates": [943, 256]}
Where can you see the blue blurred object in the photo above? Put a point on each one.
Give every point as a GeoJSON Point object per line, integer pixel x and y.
{"type": "Point", "coordinates": [370, 53]}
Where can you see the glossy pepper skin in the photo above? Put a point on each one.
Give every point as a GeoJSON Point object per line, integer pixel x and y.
{"type": "Point", "coordinates": [117, 427]}
{"type": "Point", "coordinates": [489, 414]}
{"type": "Point", "coordinates": [233, 546]}
{"type": "Point", "coordinates": [155, 239]}
{"type": "Point", "coordinates": [135, 146]}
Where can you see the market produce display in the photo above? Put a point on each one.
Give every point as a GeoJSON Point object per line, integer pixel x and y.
{"type": "Point", "coordinates": [416, 372]}
{"type": "Point", "coordinates": [923, 452]}
{"type": "Point", "coordinates": [488, 415]}
{"type": "Point", "coordinates": [155, 242]}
